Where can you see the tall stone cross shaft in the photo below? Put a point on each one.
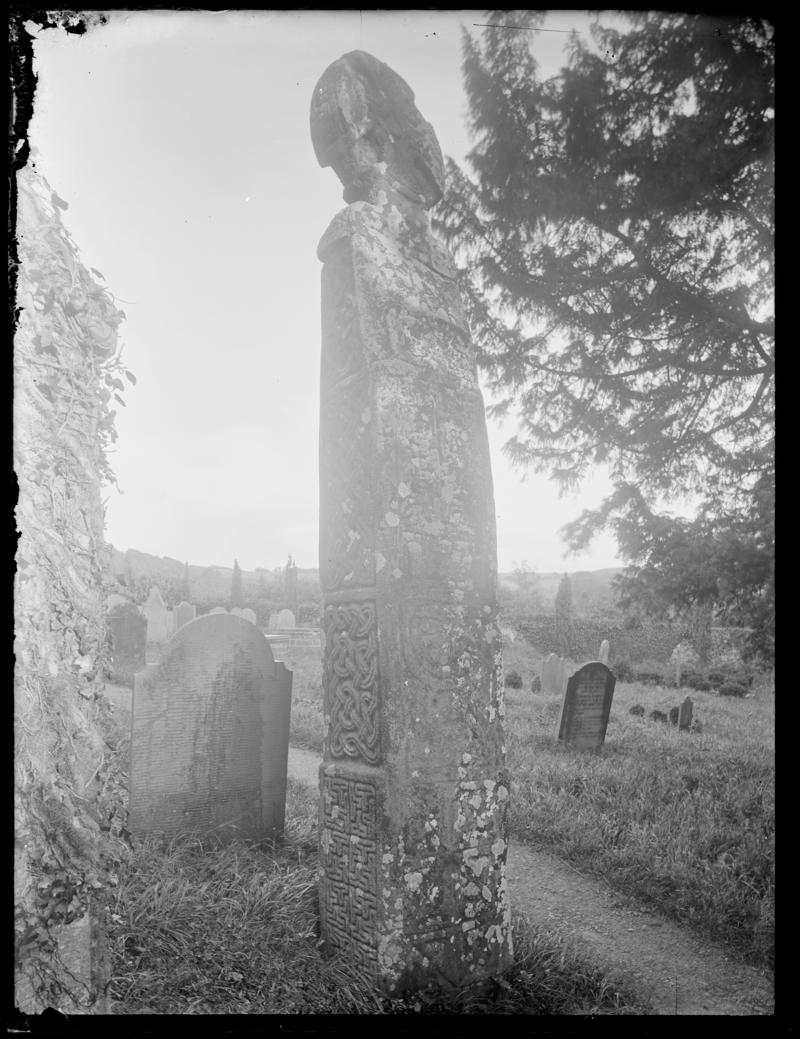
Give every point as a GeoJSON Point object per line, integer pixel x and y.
{"type": "Point", "coordinates": [413, 788]}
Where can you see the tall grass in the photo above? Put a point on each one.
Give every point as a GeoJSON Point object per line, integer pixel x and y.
{"type": "Point", "coordinates": [199, 927]}
{"type": "Point", "coordinates": [682, 821]}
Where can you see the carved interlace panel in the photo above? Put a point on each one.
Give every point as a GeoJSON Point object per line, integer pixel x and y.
{"type": "Point", "coordinates": [351, 681]}
{"type": "Point", "coordinates": [349, 887]}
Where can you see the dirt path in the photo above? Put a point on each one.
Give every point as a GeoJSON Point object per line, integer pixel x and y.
{"type": "Point", "coordinates": [671, 970]}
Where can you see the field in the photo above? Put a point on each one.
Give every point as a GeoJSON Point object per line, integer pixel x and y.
{"type": "Point", "coordinates": [682, 821]}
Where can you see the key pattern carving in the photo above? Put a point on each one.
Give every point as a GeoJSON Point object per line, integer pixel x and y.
{"type": "Point", "coordinates": [349, 886]}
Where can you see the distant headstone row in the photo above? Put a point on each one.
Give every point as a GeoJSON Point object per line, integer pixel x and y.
{"type": "Point", "coordinates": [210, 734]}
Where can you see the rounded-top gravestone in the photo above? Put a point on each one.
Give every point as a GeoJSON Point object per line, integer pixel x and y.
{"type": "Point", "coordinates": [210, 734]}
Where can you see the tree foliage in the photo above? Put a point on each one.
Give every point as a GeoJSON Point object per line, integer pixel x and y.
{"type": "Point", "coordinates": [616, 247]}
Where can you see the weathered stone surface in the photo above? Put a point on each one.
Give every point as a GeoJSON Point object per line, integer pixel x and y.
{"type": "Point", "coordinates": [586, 707]}
{"type": "Point", "coordinates": [128, 631]}
{"type": "Point", "coordinates": [604, 651]}
{"type": "Point", "coordinates": [184, 612]}
{"type": "Point", "coordinates": [413, 783]}
{"type": "Point", "coordinates": [210, 734]}
{"type": "Point", "coordinates": [685, 714]}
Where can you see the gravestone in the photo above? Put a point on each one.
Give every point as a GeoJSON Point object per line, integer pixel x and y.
{"type": "Point", "coordinates": [586, 707]}
{"type": "Point", "coordinates": [685, 714]}
{"type": "Point", "coordinates": [159, 618]}
{"type": "Point", "coordinates": [272, 624]}
{"type": "Point", "coordinates": [245, 613]}
{"type": "Point", "coordinates": [184, 612]}
{"type": "Point", "coordinates": [413, 786]}
{"type": "Point", "coordinates": [553, 674]}
{"type": "Point", "coordinates": [219, 609]}
{"type": "Point", "coordinates": [673, 715]}
{"type": "Point", "coordinates": [604, 651]}
{"type": "Point", "coordinates": [210, 734]}
{"type": "Point", "coordinates": [128, 629]}
{"type": "Point", "coordinates": [286, 620]}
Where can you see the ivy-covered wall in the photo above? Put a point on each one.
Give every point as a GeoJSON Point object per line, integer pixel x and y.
{"type": "Point", "coordinates": [68, 814]}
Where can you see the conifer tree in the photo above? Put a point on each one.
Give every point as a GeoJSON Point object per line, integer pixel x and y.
{"type": "Point", "coordinates": [615, 239]}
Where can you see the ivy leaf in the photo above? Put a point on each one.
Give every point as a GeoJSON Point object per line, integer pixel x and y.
{"type": "Point", "coordinates": [59, 201]}
{"type": "Point", "coordinates": [94, 270]}
{"type": "Point", "coordinates": [121, 401]}
{"type": "Point", "coordinates": [130, 377]}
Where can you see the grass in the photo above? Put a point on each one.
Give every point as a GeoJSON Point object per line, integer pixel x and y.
{"type": "Point", "coordinates": [682, 821]}
{"type": "Point", "coordinates": [203, 928]}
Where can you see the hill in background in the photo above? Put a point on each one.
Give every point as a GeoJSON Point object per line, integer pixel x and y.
{"type": "Point", "coordinates": [590, 588]}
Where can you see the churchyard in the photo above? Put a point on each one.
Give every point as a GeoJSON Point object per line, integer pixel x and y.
{"type": "Point", "coordinates": [681, 820]}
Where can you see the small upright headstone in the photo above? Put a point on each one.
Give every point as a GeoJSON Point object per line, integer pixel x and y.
{"type": "Point", "coordinates": [128, 629]}
{"type": "Point", "coordinates": [673, 715]}
{"type": "Point", "coordinates": [210, 734]}
{"type": "Point", "coordinates": [249, 615]}
{"type": "Point", "coordinates": [184, 612]}
{"type": "Point", "coordinates": [552, 674]}
{"type": "Point", "coordinates": [604, 650]}
{"type": "Point", "coordinates": [286, 620]}
{"type": "Point", "coordinates": [273, 625]}
{"type": "Point", "coordinates": [219, 609]}
{"type": "Point", "coordinates": [159, 618]}
{"type": "Point", "coordinates": [586, 707]}
{"type": "Point", "coordinates": [685, 714]}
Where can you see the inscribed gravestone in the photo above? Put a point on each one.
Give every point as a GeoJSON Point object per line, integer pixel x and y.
{"type": "Point", "coordinates": [586, 707]}
{"type": "Point", "coordinates": [413, 782]}
{"type": "Point", "coordinates": [128, 630]}
{"type": "Point", "coordinates": [685, 714]}
{"type": "Point", "coordinates": [159, 618]}
{"type": "Point", "coordinates": [604, 651]}
{"type": "Point", "coordinates": [184, 612]}
{"type": "Point", "coordinates": [286, 620]}
{"type": "Point", "coordinates": [210, 734]}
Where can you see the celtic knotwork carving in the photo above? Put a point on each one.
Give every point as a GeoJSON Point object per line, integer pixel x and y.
{"type": "Point", "coordinates": [351, 680]}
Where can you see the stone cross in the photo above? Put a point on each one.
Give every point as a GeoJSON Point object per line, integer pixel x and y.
{"type": "Point", "coordinates": [413, 786]}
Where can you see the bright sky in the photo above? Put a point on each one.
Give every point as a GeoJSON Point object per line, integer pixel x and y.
{"type": "Point", "coordinates": [181, 142]}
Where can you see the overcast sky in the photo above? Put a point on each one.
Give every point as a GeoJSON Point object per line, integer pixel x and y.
{"type": "Point", "coordinates": [180, 141]}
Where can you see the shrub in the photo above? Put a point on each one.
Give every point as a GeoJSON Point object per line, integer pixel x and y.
{"type": "Point", "coordinates": [674, 712]}
{"type": "Point", "coordinates": [622, 669]}
{"type": "Point", "coordinates": [694, 680]}
{"type": "Point", "coordinates": [733, 689]}
{"type": "Point", "coordinates": [513, 680]}
{"type": "Point", "coordinates": [648, 677]}
{"type": "Point", "coordinates": [636, 709]}
{"type": "Point", "coordinates": [658, 716]}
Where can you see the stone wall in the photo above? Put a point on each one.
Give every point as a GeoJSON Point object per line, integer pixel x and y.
{"type": "Point", "coordinates": [65, 374]}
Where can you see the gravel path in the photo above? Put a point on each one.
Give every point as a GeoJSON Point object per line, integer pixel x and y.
{"type": "Point", "coordinates": [671, 969]}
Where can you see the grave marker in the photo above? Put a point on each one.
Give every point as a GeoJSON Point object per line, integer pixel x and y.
{"type": "Point", "coordinates": [553, 674]}
{"type": "Point", "coordinates": [413, 782]}
{"type": "Point", "coordinates": [159, 619]}
{"type": "Point", "coordinates": [586, 707]}
{"type": "Point", "coordinates": [210, 734]}
{"type": "Point", "coordinates": [184, 612]}
{"type": "Point", "coordinates": [286, 620]}
{"type": "Point", "coordinates": [685, 714]}
{"type": "Point", "coordinates": [128, 629]}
